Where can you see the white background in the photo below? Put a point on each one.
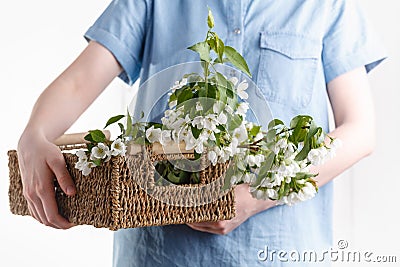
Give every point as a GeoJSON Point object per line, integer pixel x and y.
{"type": "Point", "coordinates": [40, 38]}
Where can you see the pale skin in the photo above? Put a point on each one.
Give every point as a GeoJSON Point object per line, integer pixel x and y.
{"type": "Point", "coordinates": [65, 99]}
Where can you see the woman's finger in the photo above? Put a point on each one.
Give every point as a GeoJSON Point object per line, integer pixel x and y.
{"type": "Point", "coordinates": [205, 229]}
{"type": "Point", "coordinates": [33, 213]}
{"type": "Point", "coordinates": [38, 207]}
{"type": "Point", "coordinates": [58, 167]}
{"type": "Point", "coordinates": [49, 205]}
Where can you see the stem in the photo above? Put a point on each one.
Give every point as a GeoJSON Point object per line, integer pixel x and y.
{"type": "Point", "coordinates": [291, 129]}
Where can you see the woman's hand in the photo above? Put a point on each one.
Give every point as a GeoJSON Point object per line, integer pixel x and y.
{"type": "Point", "coordinates": [246, 206]}
{"type": "Point", "coordinates": [40, 162]}
{"type": "Point", "coordinates": [57, 108]}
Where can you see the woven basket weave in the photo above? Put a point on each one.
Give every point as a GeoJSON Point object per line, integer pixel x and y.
{"type": "Point", "coordinates": [122, 193]}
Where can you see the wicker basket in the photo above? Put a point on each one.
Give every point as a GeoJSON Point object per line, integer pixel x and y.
{"type": "Point", "coordinates": [122, 193]}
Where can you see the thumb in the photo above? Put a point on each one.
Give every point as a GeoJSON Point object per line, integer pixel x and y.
{"type": "Point", "coordinates": [58, 167]}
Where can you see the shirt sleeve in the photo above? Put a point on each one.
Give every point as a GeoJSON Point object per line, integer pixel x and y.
{"type": "Point", "coordinates": [121, 29]}
{"type": "Point", "coordinates": [350, 42]}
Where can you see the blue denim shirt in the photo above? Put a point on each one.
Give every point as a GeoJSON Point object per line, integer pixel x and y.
{"type": "Point", "coordinates": [293, 49]}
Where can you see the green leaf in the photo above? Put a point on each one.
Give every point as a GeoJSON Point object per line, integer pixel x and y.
{"type": "Point", "coordinates": [300, 124]}
{"type": "Point", "coordinates": [203, 49]}
{"type": "Point", "coordinates": [271, 135]}
{"type": "Point", "coordinates": [97, 162]}
{"type": "Point", "coordinates": [304, 152]}
{"type": "Point", "coordinates": [224, 87]}
{"type": "Point", "coordinates": [300, 121]}
{"type": "Point", "coordinates": [141, 140]}
{"type": "Point", "coordinates": [228, 175]}
{"type": "Point", "coordinates": [217, 45]}
{"type": "Point", "coordinates": [90, 146]}
{"type": "Point", "coordinates": [89, 138]}
{"type": "Point", "coordinates": [220, 49]}
{"type": "Point", "coordinates": [266, 166]}
{"type": "Point", "coordinates": [236, 59]}
{"type": "Point", "coordinates": [232, 101]}
{"type": "Point", "coordinates": [196, 132]}
{"type": "Point", "coordinates": [210, 19]}
{"type": "Point", "coordinates": [121, 127]}
{"type": "Point", "coordinates": [128, 124]}
{"type": "Point", "coordinates": [185, 95]}
{"type": "Point", "coordinates": [217, 138]}
{"type": "Point", "coordinates": [173, 178]}
{"type": "Point", "coordinates": [255, 130]}
{"type": "Point", "coordinates": [234, 122]}
{"type": "Point", "coordinates": [241, 165]}
{"type": "Point", "coordinates": [274, 123]}
{"type": "Point", "coordinates": [195, 178]}
{"type": "Point", "coordinates": [97, 136]}
{"type": "Point", "coordinates": [114, 120]}
{"type": "Point", "coordinates": [135, 130]}
{"type": "Point", "coordinates": [197, 155]}
{"type": "Point", "coordinates": [211, 91]}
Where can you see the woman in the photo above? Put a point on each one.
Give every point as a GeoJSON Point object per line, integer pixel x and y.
{"type": "Point", "coordinates": [300, 52]}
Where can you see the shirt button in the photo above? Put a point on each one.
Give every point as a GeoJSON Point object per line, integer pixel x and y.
{"type": "Point", "coordinates": [237, 31]}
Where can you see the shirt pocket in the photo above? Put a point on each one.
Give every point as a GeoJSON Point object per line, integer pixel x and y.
{"type": "Point", "coordinates": [287, 68]}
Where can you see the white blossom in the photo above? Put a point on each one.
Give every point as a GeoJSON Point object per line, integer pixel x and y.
{"type": "Point", "coordinates": [242, 108]}
{"type": "Point", "coordinates": [222, 118]}
{"type": "Point", "coordinates": [251, 160]}
{"type": "Point", "coordinates": [178, 85]}
{"type": "Point", "coordinates": [101, 151]}
{"type": "Point", "coordinates": [289, 170]}
{"type": "Point", "coordinates": [173, 103]}
{"type": "Point", "coordinates": [198, 122]}
{"type": "Point", "coordinates": [199, 147]}
{"type": "Point", "coordinates": [235, 179]}
{"type": "Point", "coordinates": [81, 155]}
{"type": "Point", "coordinates": [189, 140]}
{"type": "Point", "coordinates": [240, 133]}
{"type": "Point", "coordinates": [272, 193]}
{"type": "Point", "coordinates": [241, 89]}
{"type": "Point", "coordinates": [317, 156]}
{"type": "Point", "coordinates": [176, 125]}
{"type": "Point", "coordinates": [234, 145]}
{"type": "Point", "coordinates": [333, 146]}
{"type": "Point", "coordinates": [254, 160]}
{"type": "Point", "coordinates": [165, 137]}
{"type": "Point", "coordinates": [229, 109]}
{"type": "Point", "coordinates": [249, 178]}
{"type": "Point", "coordinates": [211, 122]}
{"type": "Point", "coordinates": [212, 157]}
{"type": "Point", "coordinates": [218, 106]}
{"type": "Point", "coordinates": [153, 134]}
{"type": "Point", "coordinates": [259, 194]}
{"type": "Point", "coordinates": [308, 191]}
{"type": "Point", "coordinates": [259, 158]}
{"type": "Point", "coordinates": [336, 143]}
{"type": "Point", "coordinates": [290, 150]}
{"type": "Point", "coordinates": [282, 144]}
{"type": "Point", "coordinates": [83, 164]}
{"type": "Point", "coordinates": [85, 167]}
{"type": "Point", "coordinates": [259, 136]}
{"type": "Point", "coordinates": [118, 148]}
{"type": "Point", "coordinates": [199, 107]}
{"type": "Point", "coordinates": [234, 80]}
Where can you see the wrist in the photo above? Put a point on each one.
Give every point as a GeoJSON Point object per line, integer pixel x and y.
{"type": "Point", "coordinates": [31, 136]}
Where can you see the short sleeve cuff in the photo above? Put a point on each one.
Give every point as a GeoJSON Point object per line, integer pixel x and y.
{"type": "Point", "coordinates": [130, 65]}
{"type": "Point", "coordinates": [342, 65]}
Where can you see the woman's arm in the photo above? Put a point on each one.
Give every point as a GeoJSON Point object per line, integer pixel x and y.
{"type": "Point", "coordinates": [57, 108]}
{"type": "Point", "coordinates": [354, 115]}
{"type": "Point", "coordinates": [353, 110]}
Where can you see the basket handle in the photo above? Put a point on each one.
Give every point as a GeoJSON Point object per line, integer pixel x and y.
{"type": "Point", "coordinates": [76, 138]}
